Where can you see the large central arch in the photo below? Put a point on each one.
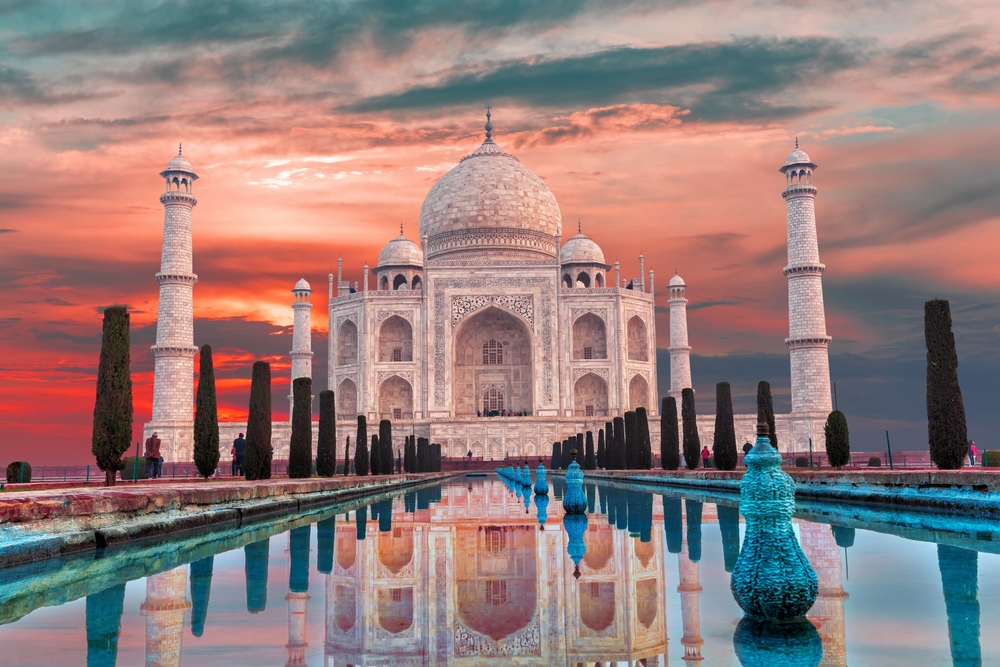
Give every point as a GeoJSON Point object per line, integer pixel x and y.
{"type": "Point", "coordinates": [492, 369]}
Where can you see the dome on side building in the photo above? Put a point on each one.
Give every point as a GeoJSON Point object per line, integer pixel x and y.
{"type": "Point", "coordinates": [581, 250]}
{"type": "Point", "coordinates": [401, 251]}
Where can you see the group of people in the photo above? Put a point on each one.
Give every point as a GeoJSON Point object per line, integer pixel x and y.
{"type": "Point", "coordinates": [706, 454]}
{"type": "Point", "coordinates": [504, 413]}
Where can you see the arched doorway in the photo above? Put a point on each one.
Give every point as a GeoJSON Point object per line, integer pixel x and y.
{"type": "Point", "coordinates": [590, 396]}
{"type": "Point", "coordinates": [638, 393]}
{"type": "Point", "coordinates": [347, 344]}
{"type": "Point", "coordinates": [597, 604]}
{"type": "Point", "coordinates": [395, 609]}
{"type": "Point", "coordinates": [493, 373]}
{"type": "Point", "coordinates": [347, 400]}
{"type": "Point", "coordinates": [395, 399]}
{"type": "Point", "coordinates": [590, 339]}
{"type": "Point", "coordinates": [638, 340]}
{"type": "Point", "coordinates": [395, 340]}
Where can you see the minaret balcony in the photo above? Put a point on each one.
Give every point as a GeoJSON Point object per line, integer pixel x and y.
{"type": "Point", "coordinates": [177, 197]}
{"type": "Point", "coordinates": [810, 341]}
{"type": "Point", "coordinates": [799, 190]}
{"type": "Point", "coordinates": [176, 278]}
{"type": "Point", "coordinates": [805, 270]}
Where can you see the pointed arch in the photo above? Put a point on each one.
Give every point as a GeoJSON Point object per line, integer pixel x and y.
{"type": "Point", "coordinates": [638, 339]}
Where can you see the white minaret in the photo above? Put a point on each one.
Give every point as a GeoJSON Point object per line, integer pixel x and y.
{"type": "Point", "coordinates": [173, 383]}
{"type": "Point", "coordinates": [680, 351]}
{"type": "Point", "coordinates": [301, 339]}
{"type": "Point", "coordinates": [807, 340]}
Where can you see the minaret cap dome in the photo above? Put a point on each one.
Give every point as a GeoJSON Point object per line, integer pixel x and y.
{"type": "Point", "coordinates": [179, 163]}
{"type": "Point", "coordinates": [798, 156]}
{"type": "Point", "coordinates": [677, 281]}
{"type": "Point", "coordinates": [302, 285]}
{"type": "Point", "coordinates": [401, 251]}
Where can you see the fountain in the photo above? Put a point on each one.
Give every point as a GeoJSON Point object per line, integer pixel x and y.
{"type": "Point", "coordinates": [574, 500]}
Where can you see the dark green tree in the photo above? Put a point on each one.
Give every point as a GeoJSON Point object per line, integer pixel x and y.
{"type": "Point", "coordinates": [410, 455]}
{"type": "Point", "coordinates": [375, 453]}
{"type": "Point", "coordinates": [201, 589]}
{"type": "Point", "coordinates": [645, 446]}
{"type": "Point", "coordinates": [300, 446]}
{"type": "Point", "coordinates": [589, 463]}
{"type": "Point", "coordinates": [946, 428]}
{"type": "Point", "coordinates": [670, 454]}
{"type": "Point", "coordinates": [347, 456]}
{"type": "Point", "coordinates": [692, 443]}
{"type": "Point", "coordinates": [385, 442]}
{"type": "Point", "coordinates": [258, 457]}
{"type": "Point", "coordinates": [361, 448]}
{"type": "Point", "coordinates": [326, 440]}
{"type": "Point", "coordinates": [724, 447]}
{"type": "Point", "coordinates": [631, 441]}
{"type": "Point", "coordinates": [601, 453]}
{"type": "Point", "coordinates": [556, 455]}
{"type": "Point", "coordinates": [104, 622]}
{"type": "Point", "coordinates": [765, 403]}
{"type": "Point", "coordinates": [206, 417]}
{"type": "Point", "coordinates": [620, 457]}
{"type": "Point", "coordinates": [838, 445]}
{"type": "Point", "coordinates": [423, 455]}
{"type": "Point", "coordinates": [112, 433]}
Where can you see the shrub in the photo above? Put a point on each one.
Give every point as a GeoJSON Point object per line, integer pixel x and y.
{"type": "Point", "coordinates": [670, 456]}
{"type": "Point", "coordinates": [692, 443]}
{"type": "Point", "coordinates": [326, 442]}
{"type": "Point", "coordinates": [874, 462]}
{"type": "Point", "coordinates": [765, 403]}
{"type": "Point", "coordinates": [946, 430]}
{"type": "Point", "coordinates": [15, 474]}
{"type": "Point", "coordinates": [991, 458]}
{"type": "Point", "coordinates": [838, 445]}
{"type": "Point", "coordinates": [300, 458]}
{"type": "Point", "coordinates": [129, 467]}
{"type": "Point", "coordinates": [206, 417]}
{"type": "Point", "coordinates": [113, 407]}
{"type": "Point", "coordinates": [724, 445]}
{"type": "Point", "coordinates": [801, 461]}
{"type": "Point", "coordinates": [258, 457]}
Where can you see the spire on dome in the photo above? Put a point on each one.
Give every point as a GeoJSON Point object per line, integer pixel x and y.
{"type": "Point", "coordinates": [796, 142]}
{"type": "Point", "coordinates": [400, 227]}
{"type": "Point", "coordinates": [579, 226]}
{"type": "Point", "coordinates": [489, 125]}
{"type": "Point", "coordinates": [180, 149]}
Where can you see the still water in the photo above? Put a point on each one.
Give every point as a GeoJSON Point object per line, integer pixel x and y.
{"type": "Point", "coordinates": [464, 574]}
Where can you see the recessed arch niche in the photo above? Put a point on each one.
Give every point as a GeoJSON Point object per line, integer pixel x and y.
{"type": "Point", "coordinates": [493, 353]}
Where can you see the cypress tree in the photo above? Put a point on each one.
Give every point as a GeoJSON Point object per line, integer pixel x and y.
{"type": "Point", "coordinates": [206, 418]}
{"type": "Point", "coordinates": [692, 443]}
{"type": "Point", "coordinates": [631, 441]}
{"type": "Point", "coordinates": [589, 463]}
{"type": "Point", "coordinates": [946, 428]}
{"type": "Point", "coordinates": [618, 453]}
{"type": "Point", "coordinates": [201, 590]}
{"type": "Point", "coordinates": [764, 403]}
{"type": "Point", "coordinates": [645, 446]}
{"type": "Point", "coordinates": [724, 447]}
{"type": "Point", "coordinates": [361, 448]}
{"type": "Point", "coordinates": [556, 456]}
{"type": "Point", "coordinates": [385, 441]}
{"type": "Point", "coordinates": [410, 455]}
{"type": "Point", "coordinates": [435, 457]}
{"type": "Point", "coordinates": [112, 433]}
{"type": "Point", "coordinates": [375, 452]}
{"type": "Point", "coordinates": [258, 456]}
{"type": "Point", "coordinates": [838, 445]}
{"type": "Point", "coordinates": [601, 453]}
{"type": "Point", "coordinates": [578, 446]}
{"type": "Point", "coordinates": [347, 456]}
{"type": "Point", "coordinates": [670, 455]}
{"type": "Point", "coordinates": [300, 445]}
{"type": "Point", "coordinates": [423, 455]}
{"type": "Point", "coordinates": [326, 441]}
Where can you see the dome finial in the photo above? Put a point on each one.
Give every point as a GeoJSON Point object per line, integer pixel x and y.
{"type": "Point", "coordinates": [579, 226]}
{"type": "Point", "coordinates": [489, 125]}
{"type": "Point", "coordinates": [796, 143]}
{"type": "Point", "coordinates": [400, 227]}
{"type": "Point", "coordinates": [180, 149]}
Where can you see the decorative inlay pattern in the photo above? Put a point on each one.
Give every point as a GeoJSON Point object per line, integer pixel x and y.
{"type": "Point", "coordinates": [349, 317]}
{"type": "Point", "coordinates": [353, 377]}
{"type": "Point", "coordinates": [383, 315]}
{"type": "Point", "coordinates": [525, 642]}
{"type": "Point", "coordinates": [382, 376]}
{"type": "Point", "coordinates": [522, 304]}
{"type": "Point", "coordinates": [577, 313]}
{"type": "Point", "coordinates": [599, 372]}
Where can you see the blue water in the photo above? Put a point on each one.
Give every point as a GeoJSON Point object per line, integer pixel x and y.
{"type": "Point", "coordinates": [463, 572]}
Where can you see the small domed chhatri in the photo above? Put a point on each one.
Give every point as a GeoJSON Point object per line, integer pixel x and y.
{"type": "Point", "coordinates": [179, 162]}
{"type": "Point", "coordinates": [677, 281]}
{"type": "Point", "coordinates": [303, 284]}
{"type": "Point", "coordinates": [401, 251]}
{"type": "Point", "coordinates": [581, 249]}
{"type": "Point", "coordinates": [797, 157]}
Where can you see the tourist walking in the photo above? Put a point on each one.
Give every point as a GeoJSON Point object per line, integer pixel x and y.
{"type": "Point", "coordinates": [972, 453]}
{"type": "Point", "coordinates": [705, 455]}
{"type": "Point", "coordinates": [239, 450]}
{"type": "Point", "coordinates": [152, 456]}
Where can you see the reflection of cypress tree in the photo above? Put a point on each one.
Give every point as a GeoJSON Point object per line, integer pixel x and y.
{"type": "Point", "coordinates": [960, 581]}
{"type": "Point", "coordinates": [612, 508]}
{"type": "Point", "coordinates": [385, 516]}
{"type": "Point", "coordinates": [600, 449]}
{"type": "Point", "coordinates": [604, 500]}
{"type": "Point", "coordinates": [640, 515]}
{"type": "Point", "coordinates": [693, 510]}
{"type": "Point", "coordinates": [104, 620]}
{"type": "Point", "coordinates": [558, 486]}
{"type": "Point", "coordinates": [325, 532]}
{"type": "Point", "coordinates": [843, 536]}
{"type": "Point", "coordinates": [256, 572]}
{"type": "Point", "coordinates": [673, 524]}
{"type": "Point", "coordinates": [435, 494]}
{"type": "Point", "coordinates": [298, 546]}
{"type": "Point", "coordinates": [621, 510]}
{"type": "Point", "coordinates": [591, 497]}
{"type": "Point", "coordinates": [201, 588]}
{"type": "Point", "coordinates": [361, 519]}
{"type": "Point", "coordinates": [423, 499]}
{"type": "Point", "coordinates": [729, 524]}
{"type": "Point", "coordinates": [410, 502]}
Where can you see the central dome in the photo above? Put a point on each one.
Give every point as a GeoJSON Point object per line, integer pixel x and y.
{"type": "Point", "coordinates": [490, 202]}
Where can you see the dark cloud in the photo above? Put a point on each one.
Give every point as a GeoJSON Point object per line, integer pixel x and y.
{"type": "Point", "coordinates": [19, 87]}
{"type": "Point", "coordinates": [6, 230]}
{"type": "Point", "coordinates": [715, 80]}
{"type": "Point", "coordinates": [719, 302]}
{"type": "Point", "coordinates": [51, 301]}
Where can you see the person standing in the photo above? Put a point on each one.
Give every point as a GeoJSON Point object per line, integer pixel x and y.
{"type": "Point", "coordinates": [152, 455]}
{"type": "Point", "coordinates": [746, 450]}
{"type": "Point", "coordinates": [705, 455]}
{"type": "Point", "coordinates": [240, 450]}
{"type": "Point", "coordinates": [972, 453]}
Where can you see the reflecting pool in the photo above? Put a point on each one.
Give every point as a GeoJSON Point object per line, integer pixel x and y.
{"type": "Point", "coordinates": [474, 572]}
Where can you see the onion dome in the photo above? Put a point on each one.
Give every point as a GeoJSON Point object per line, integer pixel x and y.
{"type": "Point", "coordinates": [677, 281]}
{"type": "Point", "coordinates": [490, 202]}
{"type": "Point", "coordinates": [401, 251]}
{"type": "Point", "coordinates": [302, 285]}
{"type": "Point", "coordinates": [581, 249]}
{"type": "Point", "coordinates": [179, 162]}
{"type": "Point", "coordinates": [796, 158]}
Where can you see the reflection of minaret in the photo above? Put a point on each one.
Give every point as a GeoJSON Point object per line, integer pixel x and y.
{"type": "Point", "coordinates": [166, 602]}
{"type": "Point", "coordinates": [827, 614]}
{"type": "Point", "coordinates": [298, 595]}
{"type": "Point", "coordinates": [690, 590]}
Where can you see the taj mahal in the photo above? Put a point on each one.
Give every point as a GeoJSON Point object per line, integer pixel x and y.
{"type": "Point", "coordinates": [495, 333]}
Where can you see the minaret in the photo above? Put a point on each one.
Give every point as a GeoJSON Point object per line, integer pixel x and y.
{"type": "Point", "coordinates": [301, 339]}
{"type": "Point", "coordinates": [173, 384]}
{"type": "Point", "coordinates": [164, 607]}
{"type": "Point", "coordinates": [807, 340]}
{"type": "Point", "coordinates": [827, 614]}
{"type": "Point", "coordinates": [690, 590]}
{"type": "Point", "coordinates": [680, 351]}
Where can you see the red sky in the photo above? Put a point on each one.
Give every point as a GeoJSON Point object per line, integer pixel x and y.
{"type": "Point", "coordinates": [660, 126]}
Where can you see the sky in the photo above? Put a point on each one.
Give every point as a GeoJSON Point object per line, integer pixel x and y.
{"type": "Point", "coordinates": [317, 129]}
